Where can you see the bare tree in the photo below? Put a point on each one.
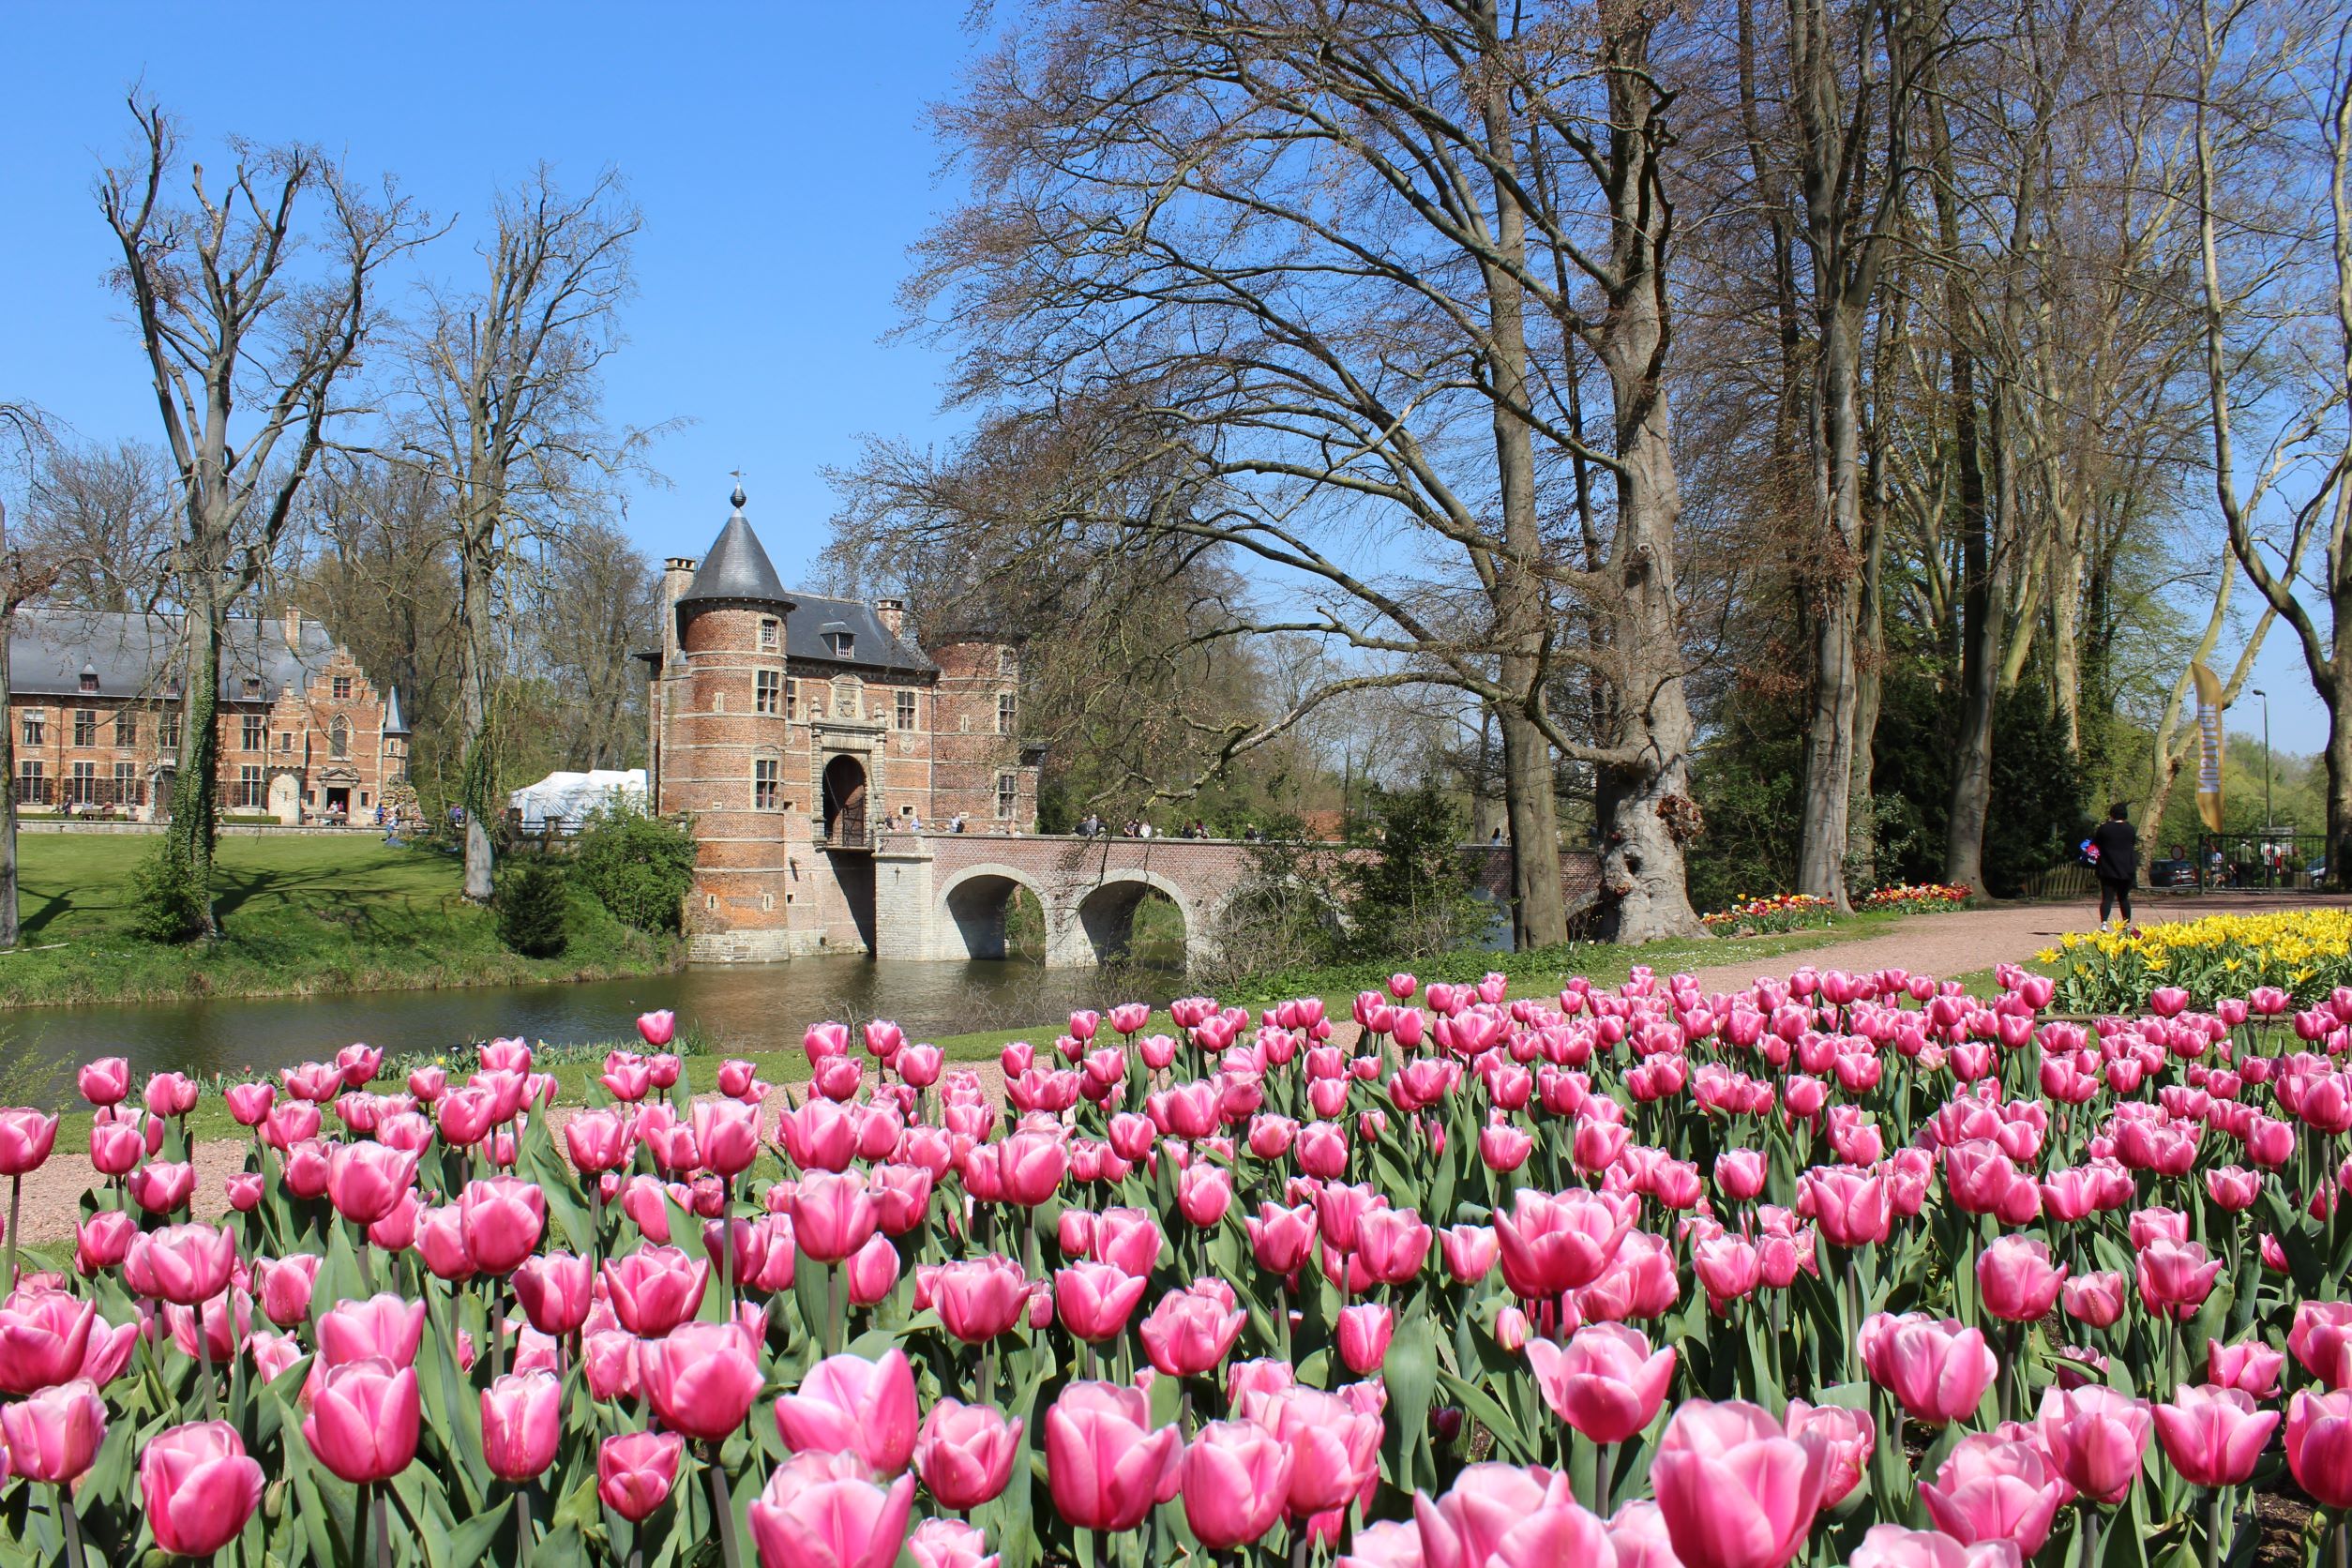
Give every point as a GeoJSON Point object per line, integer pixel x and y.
{"type": "Point", "coordinates": [1338, 269]}
{"type": "Point", "coordinates": [509, 420]}
{"type": "Point", "coordinates": [23, 576]}
{"type": "Point", "coordinates": [110, 512]}
{"type": "Point", "coordinates": [252, 353]}
{"type": "Point", "coordinates": [590, 600]}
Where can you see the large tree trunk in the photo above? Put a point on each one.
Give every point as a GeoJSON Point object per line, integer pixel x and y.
{"type": "Point", "coordinates": [1836, 693]}
{"type": "Point", "coordinates": [2339, 699]}
{"type": "Point", "coordinates": [476, 659]}
{"type": "Point", "coordinates": [1650, 813]}
{"type": "Point", "coordinates": [1980, 644]}
{"type": "Point", "coordinates": [10, 926]}
{"type": "Point", "coordinates": [196, 787]}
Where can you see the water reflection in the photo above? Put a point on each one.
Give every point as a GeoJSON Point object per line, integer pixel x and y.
{"type": "Point", "coordinates": [740, 1007]}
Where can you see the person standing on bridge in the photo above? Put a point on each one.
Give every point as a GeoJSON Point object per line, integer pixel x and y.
{"type": "Point", "coordinates": [2115, 850]}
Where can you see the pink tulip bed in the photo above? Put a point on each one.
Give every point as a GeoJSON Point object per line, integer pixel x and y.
{"type": "Point", "coordinates": [1837, 1269]}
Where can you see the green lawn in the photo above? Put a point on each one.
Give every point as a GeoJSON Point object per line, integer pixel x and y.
{"type": "Point", "coordinates": [298, 914]}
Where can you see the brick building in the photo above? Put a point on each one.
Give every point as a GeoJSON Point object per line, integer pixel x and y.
{"type": "Point", "coordinates": [93, 706]}
{"type": "Point", "coordinates": [802, 735]}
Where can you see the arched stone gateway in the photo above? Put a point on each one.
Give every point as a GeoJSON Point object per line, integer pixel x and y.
{"type": "Point", "coordinates": [1104, 928]}
{"type": "Point", "coordinates": [974, 906]}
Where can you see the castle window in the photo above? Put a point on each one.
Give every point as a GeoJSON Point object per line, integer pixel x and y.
{"type": "Point", "coordinates": [771, 633]}
{"type": "Point", "coordinates": [254, 736]}
{"type": "Point", "coordinates": [285, 740]}
{"type": "Point", "coordinates": [35, 728]}
{"type": "Point", "coordinates": [89, 679]}
{"type": "Point", "coordinates": [85, 726]}
{"type": "Point", "coordinates": [250, 789]}
{"type": "Point", "coordinates": [1008, 794]}
{"type": "Point", "coordinates": [342, 688]}
{"type": "Point", "coordinates": [339, 738]}
{"type": "Point", "coordinates": [84, 784]}
{"type": "Point", "coordinates": [31, 788]}
{"type": "Point", "coordinates": [1004, 713]}
{"type": "Point", "coordinates": [167, 731]}
{"type": "Point", "coordinates": [126, 790]}
{"type": "Point", "coordinates": [126, 726]}
{"type": "Point", "coordinates": [906, 710]}
{"type": "Point", "coordinates": [792, 700]}
{"type": "Point", "coordinates": [252, 687]}
{"type": "Point", "coordinates": [770, 692]}
{"type": "Point", "coordinates": [843, 644]}
{"type": "Point", "coordinates": [763, 784]}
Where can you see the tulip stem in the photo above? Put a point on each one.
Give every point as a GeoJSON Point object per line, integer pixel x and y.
{"type": "Point", "coordinates": [835, 1276]}
{"type": "Point", "coordinates": [1601, 1464]}
{"type": "Point", "coordinates": [2091, 1534]}
{"type": "Point", "coordinates": [384, 1528]}
{"type": "Point", "coordinates": [16, 1205]}
{"type": "Point", "coordinates": [72, 1521]}
{"type": "Point", "coordinates": [2213, 1528]}
{"type": "Point", "coordinates": [359, 1524]}
{"type": "Point", "coordinates": [726, 1510]}
{"type": "Point", "coordinates": [204, 1351]}
{"type": "Point", "coordinates": [522, 1526]}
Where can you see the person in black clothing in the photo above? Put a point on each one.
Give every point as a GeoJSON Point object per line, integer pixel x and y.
{"type": "Point", "coordinates": [2118, 863]}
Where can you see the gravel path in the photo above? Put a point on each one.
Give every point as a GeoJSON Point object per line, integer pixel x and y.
{"type": "Point", "coordinates": [1939, 944]}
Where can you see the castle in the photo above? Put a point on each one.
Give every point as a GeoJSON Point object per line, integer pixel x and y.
{"type": "Point", "coordinates": [801, 736]}
{"type": "Point", "coordinates": [94, 705]}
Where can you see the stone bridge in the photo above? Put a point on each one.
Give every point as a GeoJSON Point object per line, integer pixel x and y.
{"type": "Point", "coordinates": [947, 895]}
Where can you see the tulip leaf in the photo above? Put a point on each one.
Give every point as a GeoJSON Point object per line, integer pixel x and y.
{"type": "Point", "coordinates": [538, 1159]}
{"type": "Point", "coordinates": [469, 1540]}
{"type": "Point", "coordinates": [1489, 1413]}
{"type": "Point", "coordinates": [579, 1508]}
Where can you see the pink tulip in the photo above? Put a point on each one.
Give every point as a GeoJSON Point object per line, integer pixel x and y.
{"type": "Point", "coordinates": [655, 1289]}
{"type": "Point", "coordinates": [1334, 1446]}
{"type": "Point", "coordinates": [833, 1215]}
{"type": "Point", "coordinates": [1204, 1193]}
{"type": "Point", "coordinates": [1551, 1244]}
{"type": "Point", "coordinates": [27, 1137]}
{"type": "Point", "coordinates": [964, 1453]}
{"type": "Point", "coordinates": [223, 1321]}
{"type": "Point", "coordinates": [636, 1471]}
{"type": "Point", "coordinates": [1503, 1516]}
{"type": "Point", "coordinates": [502, 1219]}
{"type": "Point", "coordinates": [2319, 1446]}
{"type": "Point", "coordinates": [522, 1421]}
{"type": "Point", "coordinates": [102, 1240]}
{"type": "Point", "coordinates": [1235, 1479]}
{"type": "Point", "coordinates": [44, 1338]}
{"type": "Point", "coordinates": [285, 1285]}
{"type": "Point", "coordinates": [2175, 1278]}
{"type": "Point", "coordinates": [598, 1139]}
{"type": "Point", "coordinates": [1735, 1491]}
{"type": "Point", "coordinates": [2213, 1436]}
{"type": "Point", "coordinates": [1937, 1369]}
{"type": "Point", "coordinates": [980, 1298]}
{"type": "Point", "coordinates": [1365, 1331]}
{"type": "Point", "coordinates": [1895, 1546]}
{"type": "Point", "coordinates": [1191, 1331]}
{"type": "Point", "coordinates": [1605, 1383]}
{"type": "Point", "coordinates": [162, 1187]}
{"type": "Point", "coordinates": [181, 1263]}
{"type": "Point", "coordinates": [1095, 1300]}
{"type": "Point", "coordinates": [2322, 1341]}
{"type": "Point", "coordinates": [1105, 1464]}
{"type": "Point", "coordinates": [610, 1359]}
{"type": "Point", "coordinates": [364, 1420]}
{"type": "Point", "coordinates": [197, 1488]}
{"type": "Point", "coordinates": [1741, 1172]}
{"type": "Point", "coordinates": [556, 1290]}
{"type": "Point", "coordinates": [657, 1029]}
{"type": "Point", "coordinates": [53, 1434]}
{"type": "Point", "coordinates": [366, 1180]}
{"type": "Point", "coordinates": [2016, 1280]}
{"type": "Point", "coordinates": [2095, 1437]}
{"type": "Point", "coordinates": [2095, 1299]}
{"type": "Point", "coordinates": [1850, 1206]}
{"type": "Point", "coordinates": [1993, 1488]}
{"type": "Point", "coordinates": [1850, 1437]}
{"type": "Point", "coordinates": [702, 1379]}
{"type": "Point", "coordinates": [849, 1405]}
{"type": "Point", "coordinates": [383, 1326]}
{"type": "Point", "coordinates": [825, 1511]}
{"type": "Point", "coordinates": [950, 1543]}
{"type": "Point", "coordinates": [873, 1273]}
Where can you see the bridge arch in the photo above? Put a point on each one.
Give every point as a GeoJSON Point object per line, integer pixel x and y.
{"type": "Point", "coordinates": [974, 904]}
{"type": "Point", "coordinates": [1103, 926]}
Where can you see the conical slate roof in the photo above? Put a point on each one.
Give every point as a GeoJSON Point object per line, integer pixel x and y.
{"type": "Point", "coordinates": [736, 567]}
{"type": "Point", "coordinates": [393, 723]}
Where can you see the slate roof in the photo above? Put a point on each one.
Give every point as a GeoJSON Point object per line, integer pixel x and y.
{"type": "Point", "coordinates": [134, 654]}
{"type": "Point", "coordinates": [393, 723]}
{"type": "Point", "coordinates": [738, 568]}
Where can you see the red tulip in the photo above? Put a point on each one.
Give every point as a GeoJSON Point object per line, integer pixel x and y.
{"type": "Point", "coordinates": [1736, 1490]}
{"type": "Point", "coordinates": [55, 1434]}
{"type": "Point", "coordinates": [655, 1289]}
{"type": "Point", "coordinates": [964, 1453]}
{"type": "Point", "coordinates": [1605, 1383]}
{"type": "Point", "coordinates": [364, 1420]}
{"type": "Point", "coordinates": [636, 1471]}
{"type": "Point", "coordinates": [2318, 1446]}
{"type": "Point", "coordinates": [849, 1405]}
{"type": "Point", "coordinates": [702, 1379]}
{"type": "Point", "coordinates": [2213, 1436]}
{"type": "Point", "coordinates": [522, 1421]}
{"type": "Point", "coordinates": [2095, 1437]}
{"type": "Point", "coordinates": [383, 1327]}
{"type": "Point", "coordinates": [1235, 1479]}
{"type": "Point", "coordinates": [1105, 1464]}
{"type": "Point", "coordinates": [556, 1290]}
{"type": "Point", "coordinates": [1937, 1369]}
{"type": "Point", "coordinates": [197, 1488]}
{"type": "Point", "coordinates": [823, 1511]}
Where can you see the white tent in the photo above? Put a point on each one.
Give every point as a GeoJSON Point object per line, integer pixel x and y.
{"type": "Point", "coordinates": [568, 797]}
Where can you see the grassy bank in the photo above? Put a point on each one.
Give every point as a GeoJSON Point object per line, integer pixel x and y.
{"type": "Point", "coordinates": [333, 913]}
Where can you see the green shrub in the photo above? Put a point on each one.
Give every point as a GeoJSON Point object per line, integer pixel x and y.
{"type": "Point", "coordinates": [167, 902]}
{"type": "Point", "coordinates": [1410, 895]}
{"type": "Point", "coordinates": [531, 909]}
{"type": "Point", "coordinates": [637, 865]}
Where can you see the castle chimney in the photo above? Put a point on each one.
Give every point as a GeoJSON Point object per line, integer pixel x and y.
{"type": "Point", "coordinates": [294, 627]}
{"type": "Point", "coordinates": [677, 573]}
{"type": "Point", "coordinates": [892, 613]}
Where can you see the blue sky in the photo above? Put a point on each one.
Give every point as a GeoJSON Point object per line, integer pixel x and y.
{"type": "Point", "coordinates": [780, 154]}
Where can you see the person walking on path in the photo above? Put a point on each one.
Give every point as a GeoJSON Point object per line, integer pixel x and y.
{"type": "Point", "coordinates": [2117, 849]}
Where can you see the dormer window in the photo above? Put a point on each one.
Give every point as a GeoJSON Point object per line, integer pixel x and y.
{"type": "Point", "coordinates": [89, 679]}
{"type": "Point", "coordinates": [842, 644]}
{"type": "Point", "coordinates": [771, 634]}
{"type": "Point", "coordinates": [252, 687]}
